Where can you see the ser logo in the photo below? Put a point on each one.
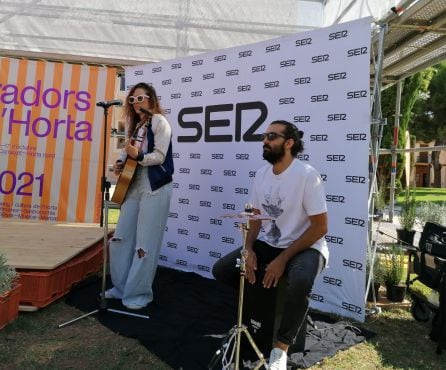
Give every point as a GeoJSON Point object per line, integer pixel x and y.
{"type": "Point", "coordinates": [175, 185]}
{"type": "Point", "coordinates": [193, 218]}
{"type": "Point", "coordinates": [172, 215]}
{"type": "Point", "coordinates": [220, 90]}
{"type": "Point", "coordinates": [338, 35]}
{"type": "Point", "coordinates": [181, 262]}
{"type": "Point", "coordinates": [197, 62]}
{"type": "Point", "coordinates": [351, 307]}
{"type": "Point", "coordinates": [232, 72]}
{"type": "Point", "coordinates": [356, 137]}
{"type": "Point", "coordinates": [337, 76]}
{"type": "Point", "coordinates": [175, 66]}
{"type": "Point", "coordinates": [195, 94]}
{"type": "Point", "coordinates": [183, 201]}
{"type": "Point", "coordinates": [319, 137]}
{"type": "Point", "coordinates": [186, 79]}
{"type": "Point", "coordinates": [162, 257]}
{"type": "Point", "coordinates": [303, 42]}
{"type": "Point", "coordinates": [354, 221]}
{"type": "Point", "coordinates": [227, 240]}
{"type": "Point", "coordinates": [166, 82]}
{"type": "Point", "coordinates": [205, 203]}
{"type": "Point", "coordinates": [183, 231]}
{"type": "Point", "coordinates": [204, 268]}
{"type": "Point", "coordinates": [216, 221]}
{"type": "Point", "coordinates": [245, 54]}
{"type": "Point", "coordinates": [317, 297]}
{"type": "Point", "coordinates": [175, 96]}
{"type": "Point", "coordinates": [324, 177]}
{"type": "Point", "coordinates": [352, 264]}
{"type": "Point", "coordinates": [337, 117]}
{"type": "Point", "coordinates": [288, 63]}
{"type": "Point", "coordinates": [334, 239]}
{"type": "Point", "coordinates": [230, 206]}
{"type": "Point", "coordinates": [220, 58]}
{"type": "Point", "coordinates": [252, 174]}
{"type": "Point", "coordinates": [271, 48]}
{"type": "Point", "coordinates": [229, 172]}
{"type": "Point", "coordinates": [157, 69]}
{"type": "Point", "coordinates": [335, 198]}
{"type": "Point", "coordinates": [172, 245]}
{"type": "Point", "coordinates": [290, 100]}
{"type": "Point", "coordinates": [357, 94]}
{"type": "Point", "coordinates": [303, 157]}
{"type": "Point", "coordinates": [138, 73]}
{"type": "Point", "coordinates": [355, 179]}
{"type": "Point", "coordinates": [332, 281]}
{"type": "Point", "coordinates": [243, 191]}
{"type": "Point", "coordinates": [217, 189]}
{"type": "Point", "coordinates": [302, 80]}
{"type": "Point", "coordinates": [259, 68]}
{"type": "Point", "coordinates": [217, 156]}
{"type": "Point", "coordinates": [302, 119]}
{"type": "Point", "coordinates": [242, 156]}
{"type": "Point", "coordinates": [356, 51]}
{"type": "Point", "coordinates": [194, 155]}
{"type": "Point", "coordinates": [271, 84]}
{"type": "Point", "coordinates": [319, 98]}
{"type": "Point", "coordinates": [335, 157]}
{"type": "Point", "coordinates": [214, 254]}
{"type": "Point", "coordinates": [204, 236]}
{"type": "Point", "coordinates": [208, 76]}
{"type": "Point", "coordinates": [192, 249]}
{"type": "Point", "coordinates": [243, 88]}
{"type": "Point", "coordinates": [320, 58]}
{"type": "Point", "coordinates": [184, 170]}
{"type": "Point", "coordinates": [206, 171]}
{"type": "Point", "coordinates": [245, 132]}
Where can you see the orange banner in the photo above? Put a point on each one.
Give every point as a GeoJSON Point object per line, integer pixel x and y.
{"type": "Point", "coordinates": [51, 139]}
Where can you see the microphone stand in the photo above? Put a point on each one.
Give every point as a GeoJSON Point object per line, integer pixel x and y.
{"type": "Point", "coordinates": [105, 186]}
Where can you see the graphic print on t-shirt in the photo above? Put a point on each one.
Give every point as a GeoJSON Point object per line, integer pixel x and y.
{"type": "Point", "coordinates": [272, 207]}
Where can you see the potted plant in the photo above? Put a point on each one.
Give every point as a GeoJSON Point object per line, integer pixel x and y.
{"type": "Point", "coordinates": [9, 292]}
{"type": "Point", "coordinates": [393, 265]}
{"type": "Point", "coordinates": [407, 217]}
{"type": "Point", "coordinates": [378, 278]}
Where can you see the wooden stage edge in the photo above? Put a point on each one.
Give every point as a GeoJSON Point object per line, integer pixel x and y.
{"type": "Point", "coordinates": [38, 245]}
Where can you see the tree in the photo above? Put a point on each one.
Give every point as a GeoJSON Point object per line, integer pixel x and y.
{"type": "Point", "coordinates": [414, 88]}
{"type": "Point", "coordinates": [429, 117]}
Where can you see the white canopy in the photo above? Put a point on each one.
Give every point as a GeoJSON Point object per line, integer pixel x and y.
{"type": "Point", "coordinates": [129, 32]}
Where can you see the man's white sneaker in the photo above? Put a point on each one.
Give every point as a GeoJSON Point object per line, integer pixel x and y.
{"type": "Point", "coordinates": [277, 359]}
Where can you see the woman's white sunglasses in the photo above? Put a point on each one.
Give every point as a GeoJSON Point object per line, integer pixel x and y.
{"type": "Point", "coordinates": [137, 99]}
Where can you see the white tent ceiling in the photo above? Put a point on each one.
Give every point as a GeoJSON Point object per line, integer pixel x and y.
{"type": "Point", "coordinates": [129, 32]}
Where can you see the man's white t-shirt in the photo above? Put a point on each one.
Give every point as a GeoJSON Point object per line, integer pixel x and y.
{"type": "Point", "coordinates": [289, 198]}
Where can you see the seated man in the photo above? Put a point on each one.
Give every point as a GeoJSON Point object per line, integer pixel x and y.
{"type": "Point", "coordinates": [292, 194]}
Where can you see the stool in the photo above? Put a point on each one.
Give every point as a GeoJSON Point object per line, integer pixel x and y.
{"type": "Point", "coordinates": [262, 312]}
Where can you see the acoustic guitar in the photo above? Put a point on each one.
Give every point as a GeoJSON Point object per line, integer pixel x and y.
{"type": "Point", "coordinates": [129, 169]}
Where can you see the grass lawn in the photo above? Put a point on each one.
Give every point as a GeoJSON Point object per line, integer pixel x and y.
{"type": "Point", "coordinates": [435, 195]}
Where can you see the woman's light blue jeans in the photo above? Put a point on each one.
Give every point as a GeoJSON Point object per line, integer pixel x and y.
{"type": "Point", "coordinates": [136, 244]}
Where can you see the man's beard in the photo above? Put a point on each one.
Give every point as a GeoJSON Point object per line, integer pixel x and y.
{"type": "Point", "coordinates": [273, 155]}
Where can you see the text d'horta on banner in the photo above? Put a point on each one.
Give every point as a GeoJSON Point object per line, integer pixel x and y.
{"type": "Point", "coordinates": [51, 139]}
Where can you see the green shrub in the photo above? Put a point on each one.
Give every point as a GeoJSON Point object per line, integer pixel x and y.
{"type": "Point", "coordinates": [408, 209]}
{"type": "Point", "coordinates": [7, 275]}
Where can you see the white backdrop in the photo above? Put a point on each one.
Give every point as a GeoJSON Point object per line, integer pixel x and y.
{"type": "Point", "coordinates": [218, 103]}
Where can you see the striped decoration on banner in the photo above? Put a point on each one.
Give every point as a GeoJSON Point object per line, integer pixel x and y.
{"type": "Point", "coordinates": [51, 139]}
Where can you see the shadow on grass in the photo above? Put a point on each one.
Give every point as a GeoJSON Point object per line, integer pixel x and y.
{"type": "Point", "coordinates": [403, 342]}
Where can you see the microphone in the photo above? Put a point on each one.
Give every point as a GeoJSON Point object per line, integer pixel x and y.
{"type": "Point", "coordinates": [106, 104]}
{"type": "Point", "coordinates": [145, 111]}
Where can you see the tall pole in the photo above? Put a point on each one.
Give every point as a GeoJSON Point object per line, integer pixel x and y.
{"type": "Point", "coordinates": [399, 88]}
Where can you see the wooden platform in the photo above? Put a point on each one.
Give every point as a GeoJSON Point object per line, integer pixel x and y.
{"type": "Point", "coordinates": [45, 246]}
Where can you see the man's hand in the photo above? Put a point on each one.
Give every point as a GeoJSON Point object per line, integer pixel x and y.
{"type": "Point", "coordinates": [274, 271]}
{"type": "Point", "coordinates": [251, 266]}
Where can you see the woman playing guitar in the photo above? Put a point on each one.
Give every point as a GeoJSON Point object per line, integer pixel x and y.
{"type": "Point", "coordinates": [145, 168]}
